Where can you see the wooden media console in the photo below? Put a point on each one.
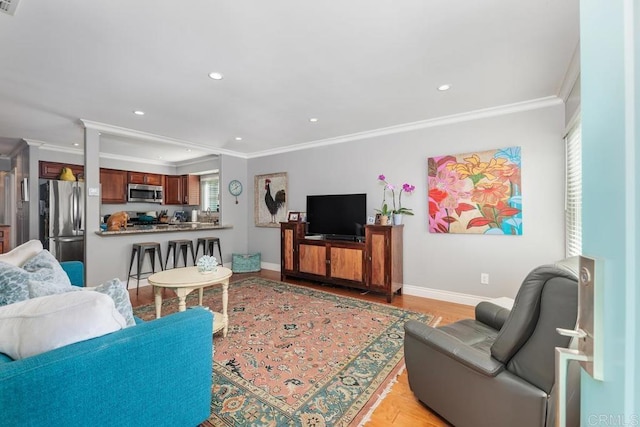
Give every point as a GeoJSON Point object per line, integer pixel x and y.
{"type": "Point", "coordinates": [374, 264]}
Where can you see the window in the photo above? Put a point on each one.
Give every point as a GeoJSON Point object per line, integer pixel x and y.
{"type": "Point", "coordinates": [573, 191]}
{"type": "Point", "coordinates": [210, 191]}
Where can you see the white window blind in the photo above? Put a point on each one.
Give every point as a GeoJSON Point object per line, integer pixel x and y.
{"type": "Point", "coordinates": [210, 191]}
{"type": "Point", "coordinates": [573, 191]}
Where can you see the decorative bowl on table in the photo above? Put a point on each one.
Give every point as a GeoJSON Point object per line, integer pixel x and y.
{"type": "Point", "coordinates": [207, 264]}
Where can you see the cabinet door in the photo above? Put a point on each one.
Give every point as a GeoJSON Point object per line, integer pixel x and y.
{"type": "Point", "coordinates": [136, 178]}
{"type": "Point", "coordinates": [113, 185]}
{"type": "Point", "coordinates": [379, 264]}
{"type": "Point", "coordinates": [190, 189]}
{"type": "Point", "coordinates": [288, 250]}
{"type": "Point", "coordinates": [145, 178]}
{"type": "Point", "coordinates": [51, 170]}
{"type": "Point", "coordinates": [346, 263]}
{"type": "Point", "coordinates": [153, 179]}
{"type": "Point", "coordinates": [313, 259]}
{"type": "Point", "coordinates": [172, 190]}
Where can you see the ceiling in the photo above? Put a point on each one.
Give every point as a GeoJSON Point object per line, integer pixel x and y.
{"type": "Point", "coordinates": [355, 65]}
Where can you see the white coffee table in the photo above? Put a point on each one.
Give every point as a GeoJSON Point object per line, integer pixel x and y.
{"type": "Point", "coordinates": [186, 279]}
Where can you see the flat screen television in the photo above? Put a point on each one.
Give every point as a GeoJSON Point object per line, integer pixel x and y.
{"type": "Point", "coordinates": [337, 215]}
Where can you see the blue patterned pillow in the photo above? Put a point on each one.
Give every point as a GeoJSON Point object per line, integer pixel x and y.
{"type": "Point", "coordinates": [46, 276]}
{"type": "Point", "coordinates": [120, 295]}
{"type": "Point", "coordinates": [14, 284]}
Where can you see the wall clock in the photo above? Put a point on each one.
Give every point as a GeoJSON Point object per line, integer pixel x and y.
{"type": "Point", "coordinates": [235, 188]}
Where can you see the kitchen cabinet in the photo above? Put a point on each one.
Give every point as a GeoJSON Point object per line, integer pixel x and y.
{"type": "Point", "coordinates": [113, 185]}
{"type": "Point", "coordinates": [172, 190]}
{"type": "Point", "coordinates": [190, 189]}
{"type": "Point", "coordinates": [182, 190]}
{"type": "Point", "coordinates": [51, 170]}
{"type": "Point", "coordinates": [145, 178]}
{"type": "Point", "coordinates": [5, 238]}
{"type": "Point", "coordinates": [374, 264]}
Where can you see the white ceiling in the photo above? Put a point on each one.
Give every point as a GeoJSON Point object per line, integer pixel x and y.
{"type": "Point", "coordinates": [356, 65]}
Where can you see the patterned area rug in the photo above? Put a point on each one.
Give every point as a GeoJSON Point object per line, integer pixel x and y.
{"type": "Point", "coordinates": [295, 356]}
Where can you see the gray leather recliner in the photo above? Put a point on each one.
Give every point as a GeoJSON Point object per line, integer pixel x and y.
{"type": "Point", "coordinates": [498, 369]}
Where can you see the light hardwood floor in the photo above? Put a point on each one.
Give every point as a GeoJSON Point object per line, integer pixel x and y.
{"type": "Point", "coordinates": [400, 408]}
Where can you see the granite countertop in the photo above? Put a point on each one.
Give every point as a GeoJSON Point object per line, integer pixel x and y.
{"type": "Point", "coordinates": [163, 228]}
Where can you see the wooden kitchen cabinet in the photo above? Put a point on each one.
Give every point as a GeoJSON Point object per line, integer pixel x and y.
{"type": "Point", "coordinates": [172, 190]}
{"type": "Point", "coordinates": [373, 264]}
{"type": "Point", "coordinates": [5, 238]}
{"type": "Point", "coordinates": [182, 190]}
{"type": "Point", "coordinates": [145, 178]}
{"type": "Point", "coordinates": [190, 189]}
{"type": "Point", "coordinates": [113, 185]}
{"type": "Point", "coordinates": [51, 170]}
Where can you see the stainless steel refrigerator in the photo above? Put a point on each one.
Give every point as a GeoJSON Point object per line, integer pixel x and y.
{"type": "Point", "coordinates": [62, 219]}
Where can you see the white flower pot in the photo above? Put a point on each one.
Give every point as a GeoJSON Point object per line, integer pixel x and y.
{"type": "Point", "coordinates": [397, 219]}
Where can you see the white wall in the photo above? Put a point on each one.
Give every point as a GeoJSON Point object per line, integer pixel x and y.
{"type": "Point", "coordinates": [434, 261]}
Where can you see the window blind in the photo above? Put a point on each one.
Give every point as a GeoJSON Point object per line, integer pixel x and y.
{"type": "Point", "coordinates": [573, 191]}
{"type": "Point", "coordinates": [210, 191]}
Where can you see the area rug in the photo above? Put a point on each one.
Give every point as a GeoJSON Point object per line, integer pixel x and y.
{"type": "Point", "coordinates": [296, 356]}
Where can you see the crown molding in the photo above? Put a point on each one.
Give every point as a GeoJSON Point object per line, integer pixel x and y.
{"type": "Point", "coordinates": [80, 152]}
{"type": "Point", "coordinates": [146, 136]}
{"type": "Point", "coordinates": [423, 124]}
{"type": "Point", "coordinates": [571, 76]}
{"type": "Point", "coordinates": [33, 142]}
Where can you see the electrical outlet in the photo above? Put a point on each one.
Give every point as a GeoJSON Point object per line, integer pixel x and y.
{"type": "Point", "coordinates": [484, 278]}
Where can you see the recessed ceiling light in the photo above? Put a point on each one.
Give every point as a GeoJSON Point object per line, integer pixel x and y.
{"type": "Point", "coordinates": [216, 76]}
{"type": "Point", "coordinates": [189, 150]}
{"type": "Point", "coordinates": [442, 88]}
{"type": "Point", "coordinates": [75, 144]}
{"type": "Point", "coordinates": [238, 138]}
{"type": "Point", "coordinates": [313, 119]}
{"type": "Point", "coordinates": [138, 113]}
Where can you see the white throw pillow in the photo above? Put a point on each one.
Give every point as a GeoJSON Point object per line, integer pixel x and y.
{"type": "Point", "coordinates": [42, 324]}
{"type": "Point", "coordinates": [21, 254]}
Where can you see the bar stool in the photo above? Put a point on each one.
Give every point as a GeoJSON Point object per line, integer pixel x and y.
{"type": "Point", "coordinates": [208, 244]}
{"type": "Point", "coordinates": [141, 249]}
{"type": "Point", "coordinates": [179, 246]}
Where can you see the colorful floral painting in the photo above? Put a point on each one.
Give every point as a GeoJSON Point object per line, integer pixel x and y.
{"type": "Point", "coordinates": [477, 193]}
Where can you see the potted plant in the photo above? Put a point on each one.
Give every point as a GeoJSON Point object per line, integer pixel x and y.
{"type": "Point", "coordinates": [385, 214]}
{"type": "Point", "coordinates": [398, 211]}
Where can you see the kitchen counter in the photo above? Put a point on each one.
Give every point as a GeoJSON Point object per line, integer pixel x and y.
{"type": "Point", "coordinates": [165, 228]}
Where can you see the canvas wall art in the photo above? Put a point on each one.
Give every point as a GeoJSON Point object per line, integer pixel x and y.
{"type": "Point", "coordinates": [270, 205]}
{"type": "Point", "coordinates": [477, 193]}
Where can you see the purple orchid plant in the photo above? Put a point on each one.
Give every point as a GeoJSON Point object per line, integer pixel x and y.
{"type": "Point", "coordinates": [397, 209]}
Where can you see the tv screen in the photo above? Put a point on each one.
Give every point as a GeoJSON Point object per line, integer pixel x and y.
{"type": "Point", "coordinates": [337, 214]}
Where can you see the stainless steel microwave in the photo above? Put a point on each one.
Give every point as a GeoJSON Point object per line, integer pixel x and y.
{"type": "Point", "coordinates": [144, 193]}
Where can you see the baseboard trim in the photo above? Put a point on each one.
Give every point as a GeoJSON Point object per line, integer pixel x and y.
{"type": "Point", "coordinates": [419, 291]}
{"type": "Point", "coordinates": [270, 266]}
{"type": "Point", "coordinates": [442, 295]}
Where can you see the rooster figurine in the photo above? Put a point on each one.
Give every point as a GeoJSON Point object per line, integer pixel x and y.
{"type": "Point", "coordinates": [273, 205]}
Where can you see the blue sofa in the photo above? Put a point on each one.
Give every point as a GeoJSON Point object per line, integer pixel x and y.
{"type": "Point", "coordinates": [156, 373]}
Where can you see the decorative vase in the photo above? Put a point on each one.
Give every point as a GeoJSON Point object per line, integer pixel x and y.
{"type": "Point", "coordinates": [384, 220]}
{"type": "Point", "coordinates": [397, 219]}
